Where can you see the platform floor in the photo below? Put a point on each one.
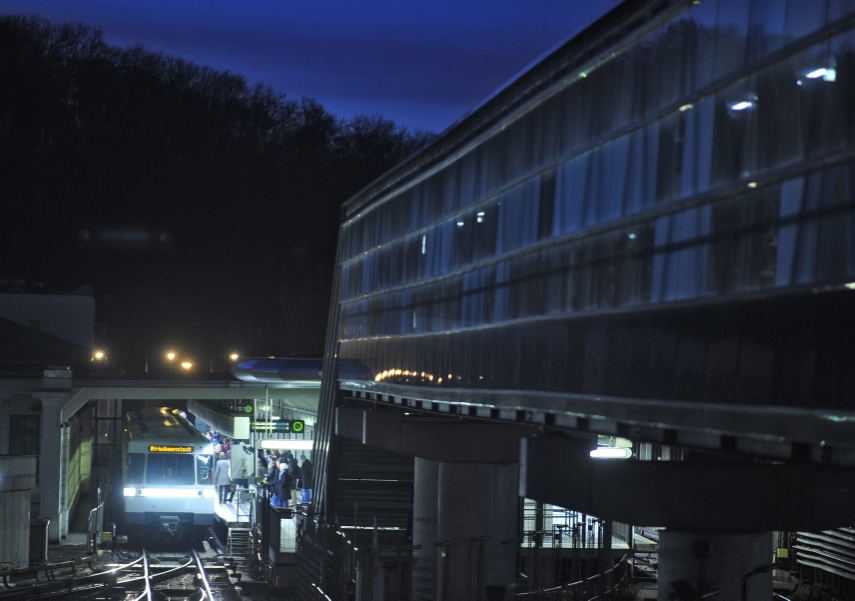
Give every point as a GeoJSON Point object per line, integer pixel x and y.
{"type": "Point", "coordinates": [235, 511]}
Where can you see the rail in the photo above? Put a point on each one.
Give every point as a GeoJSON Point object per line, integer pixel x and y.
{"type": "Point", "coordinates": [146, 594]}
{"type": "Point", "coordinates": [610, 583]}
{"type": "Point", "coordinates": [203, 577]}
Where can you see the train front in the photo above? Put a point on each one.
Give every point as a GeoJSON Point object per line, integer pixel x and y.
{"type": "Point", "coordinates": [168, 487]}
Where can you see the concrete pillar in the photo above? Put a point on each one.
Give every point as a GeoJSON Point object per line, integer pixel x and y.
{"type": "Point", "coordinates": [425, 499]}
{"type": "Point", "coordinates": [476, 512]}
{"type": "Point", "coordinates": [17, 479]}
{"type": "Point", "coordinates": [50, 462]}
{"type": "Point", "coordinates": [737, 565]}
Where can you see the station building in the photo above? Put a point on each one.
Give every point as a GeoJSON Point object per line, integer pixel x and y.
{"type": "Point", "coordinates": [649, 235]}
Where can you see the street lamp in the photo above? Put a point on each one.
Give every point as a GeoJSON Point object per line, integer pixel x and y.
{"type": "Point", "coordinates": [186, 365]}
{"type": "Point", "coordinates": [234, 356]}
{"type": "Point", "coordinates": [99, 356]}
{"type": "Point", "coordinates": [170, 355]}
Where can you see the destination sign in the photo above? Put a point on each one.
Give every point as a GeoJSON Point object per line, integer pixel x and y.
{"type": "Point", "coordinates": [156, 448]}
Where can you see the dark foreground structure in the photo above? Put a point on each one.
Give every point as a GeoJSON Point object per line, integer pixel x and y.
{"type": "Point", "coordinates": [648, 235]}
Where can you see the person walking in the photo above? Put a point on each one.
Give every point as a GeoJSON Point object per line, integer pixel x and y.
{"type": "Point", "coordinates": [222, 478]}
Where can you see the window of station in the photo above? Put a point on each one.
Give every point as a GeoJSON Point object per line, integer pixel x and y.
{"type": "Point", "coordinates": [108, 429]}
{"type": "Point", "coordinates": [170, 469]}
{"type": "Point", "coordinates": [24, 436]}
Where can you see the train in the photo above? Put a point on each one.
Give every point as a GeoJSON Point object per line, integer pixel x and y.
{"type": "Point", "coordinates": [168, 474]}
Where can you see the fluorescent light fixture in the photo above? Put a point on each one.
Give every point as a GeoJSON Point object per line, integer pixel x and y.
{"type": "Point", "coordinates": [459, 224]}
{"type": "Point", "coordinates": [169, 492]}
{"type": "Point", "coordinates": [130, 492]}
{"type": "Point", "coordinates": [816, 73]}
{"type": "Point", "coordinates": [611, 453]}
{"type": "Point", "coordinates": [285, 443]}
{"type": "Point", "coordinates": [741, 106]}
{"type": "Point", "coordinates": [826, 74]}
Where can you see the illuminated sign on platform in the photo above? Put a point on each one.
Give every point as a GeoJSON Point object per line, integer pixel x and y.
{"type": "Point", "coordinates": [292, 425]}
{"type": "Point", "coordinates": [156, 448]}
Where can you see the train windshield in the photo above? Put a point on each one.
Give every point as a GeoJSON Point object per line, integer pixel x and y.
{"type": "Point", "coordinates": [204, 469]}
{"type": "Point", "coordinates": [136, 468]}
{"type": "Point", "coordinates": [170, 469]}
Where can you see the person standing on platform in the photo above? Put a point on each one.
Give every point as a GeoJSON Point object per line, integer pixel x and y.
{"type": "Point", "coordinates": [293, 477]}
{"type": "Point", "coordinates": [306, 478]}
{"type": "Point", "coordinates": [222, 478]}
{"type": "Point", "coordinates": [272, 481]}
{"type": "Point", "coordinates": [283, 481]}
{"type": "Point", "coordinates": [239, 462]}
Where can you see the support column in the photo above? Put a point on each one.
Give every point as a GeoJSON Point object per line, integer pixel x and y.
{"type": "Point", "coordinates": [50, 461]}
{"type": "Point", "coordinates": [693, 564]}
{"type": "Point", "coordinates": [425, 499]}
{"type": "Point", "coordinates": [476, 512]}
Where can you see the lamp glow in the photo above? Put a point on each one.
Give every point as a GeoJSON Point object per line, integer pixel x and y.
{"type": "Point", "coordinates": [611, 453]}
{"type": "Point", "coordinates": [186, 364]}
{"type": "Point", "coordinates": [170, 355]}
{"type": "Point", "coordinates": [130, 492]}
{"type": "Point", "coordinates": [741, 106]}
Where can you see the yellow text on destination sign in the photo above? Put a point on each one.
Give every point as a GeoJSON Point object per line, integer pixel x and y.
{"type": "Point", "coordinates": [156, 448]}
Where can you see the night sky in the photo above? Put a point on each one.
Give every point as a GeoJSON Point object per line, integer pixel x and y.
{"type": "Point", "coordinates": [422, 64]}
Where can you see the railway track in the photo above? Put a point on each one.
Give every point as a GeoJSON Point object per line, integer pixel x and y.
{"type": "Point", "coordinates": [144, 577]}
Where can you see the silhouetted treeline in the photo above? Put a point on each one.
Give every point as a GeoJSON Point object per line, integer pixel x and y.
{"type": "Point", "coordinates": [202, 209]}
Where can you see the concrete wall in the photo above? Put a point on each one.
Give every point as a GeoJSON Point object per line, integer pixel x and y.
{"type": "Point", "coordinates": [17, 478]}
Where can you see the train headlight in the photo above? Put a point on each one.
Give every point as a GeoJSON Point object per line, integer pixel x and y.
{"type": "Point", "coordinates": [130, 492]}
{"type": "Point", "coordinates": [209, 493]}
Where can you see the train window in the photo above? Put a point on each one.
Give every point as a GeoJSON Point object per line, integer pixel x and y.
{"type": "Point", "coordinates": [204, 469]}
{"type": "Point", "coordinates": [169, 469]}
{"type": "Point", "coordinates": [136, 468]}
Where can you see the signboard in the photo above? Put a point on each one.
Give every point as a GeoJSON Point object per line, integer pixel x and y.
{"type": "Point", "coordinates": [292, 425]}
{"type": "Point", "coordinates": [156, 448]}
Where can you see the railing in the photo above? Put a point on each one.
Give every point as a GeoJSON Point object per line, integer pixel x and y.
{"type": "Point", "coordinates": [611, 583]}
{"type": "Point", "coordinates": [95, 528]}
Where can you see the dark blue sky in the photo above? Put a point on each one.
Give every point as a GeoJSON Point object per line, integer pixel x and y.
{"type": "Point", "coordinates": [421, 63]}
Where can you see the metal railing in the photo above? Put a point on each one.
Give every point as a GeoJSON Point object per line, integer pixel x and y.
{"type": "Point", "coordinates": [95, 528]}
{"type": "Point", "coordinates": [610, 584]}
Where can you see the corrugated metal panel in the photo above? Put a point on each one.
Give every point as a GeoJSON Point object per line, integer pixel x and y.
{"type": "Point", "coordinates": [831, 551]}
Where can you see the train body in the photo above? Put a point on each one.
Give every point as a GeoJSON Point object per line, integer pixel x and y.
{"type": "Point", "coordinates": [168, 473]}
